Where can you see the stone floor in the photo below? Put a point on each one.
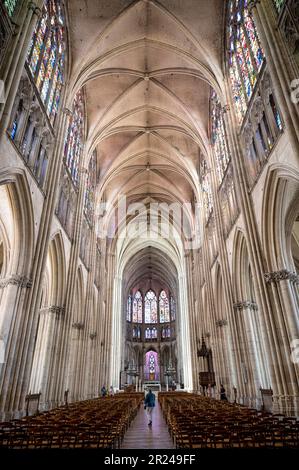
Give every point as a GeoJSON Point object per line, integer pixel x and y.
{"type": "Point", "coordinates": [142, 436]}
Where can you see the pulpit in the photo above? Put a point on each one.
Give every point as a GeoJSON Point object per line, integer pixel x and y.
{"type": "Point", "coordinates": [267, 399]}
{"type": "Point", "coordinates": [206, 379]}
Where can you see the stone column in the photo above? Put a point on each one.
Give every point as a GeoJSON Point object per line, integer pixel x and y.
{"type": "Point", "coordinates": [110, 269]}
{"type": "Point", "coordinates": [70, 298]}
{"type": "Point", "coordinates": [190, 274]}
{"type": "Point", "coordinates": [232, 336]}
{"type": "Point", "coordinates": [88, 349]}
{"type": "Point", "coordinates": [44, 355]}
{"type": "Point", "coordinates": [15, 293]}
{"type": "Point", "coordinates": [287, 330]}
{"type": "Point", "coordinates": [253, 245]}
{"type": "Point", "coordinates": [245, 311]}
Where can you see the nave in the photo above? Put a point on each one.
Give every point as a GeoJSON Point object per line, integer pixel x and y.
{"type": "Point", "coordinates": [149, 222]}
{"type": "Point", "coordinates": [180, 420]}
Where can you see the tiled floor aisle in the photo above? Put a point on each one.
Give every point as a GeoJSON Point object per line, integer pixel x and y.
{"type": "Point", "coordinates": [142, 436]}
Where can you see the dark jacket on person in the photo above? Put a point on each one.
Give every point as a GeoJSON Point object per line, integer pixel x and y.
{"type": "Point", "coordinates": [150, 400]}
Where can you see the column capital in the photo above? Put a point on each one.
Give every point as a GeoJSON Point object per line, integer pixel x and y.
{"type": "Point", "coordinates": [245, 304]}
{"type": "Point", "coordinates": [67, 111]}
{"type": "Point", "coordinates": [225, 108]}
{"type": "Point", "coordinates": [83, 171]}
{"type": "Point", "coordinates": [16, 280]}
{"type": "Point", "coordinates": [35, 9]}
{"type": "Point", "coordinates": [59, 311]}
{"type": "Point", "coordinates": [222, 322]}
{"type": "Point", "coordinates": [78, 326]}
{"type": "Point", "coordinates": [253, 4]}
{"type": "Point", "coordinates": [282, 275]}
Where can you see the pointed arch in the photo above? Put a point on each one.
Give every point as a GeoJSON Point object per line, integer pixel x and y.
{"type": "Point", "coordinates": [16, 186]}
{"type": "Point", "coordinates": [137, 309]}
{"type": "Point", "coordinates": [58, 267]}
{"type": "Point", "coordinates": [279, 212]}
{"type": "Point", "coordinates": [164, 311]}
{"type": "Point", "coordinates": [79, 297]}
{"type": "Point", "coordinates": [150, 307]}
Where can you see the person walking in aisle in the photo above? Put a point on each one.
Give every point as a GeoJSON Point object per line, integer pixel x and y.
{"type": "Point", "coordinates": [149, 404]}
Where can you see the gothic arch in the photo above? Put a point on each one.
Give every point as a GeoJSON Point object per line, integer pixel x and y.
{"type": "Point", "coordinates": [281, 245]}
{"type": "Point", "coordinates": [279, 213]}
{"type": "Point", "coordinates": [51, 309]}
{"type": "Point", "coordinates": [79, 297]}
{"type": "Point", "coordinates": [250, 329]}
{"type": "Point", "coordinates": [5, 249]}
{"type": "Point", "coordinates": [58, 266]}
{"type": "Point", "coordinates": [16, 187]}
{"type": "Point", "coordinates": [242, 274]}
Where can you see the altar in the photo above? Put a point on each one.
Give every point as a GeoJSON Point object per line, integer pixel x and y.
{"type": "Point", "coordinates": [155, 386]}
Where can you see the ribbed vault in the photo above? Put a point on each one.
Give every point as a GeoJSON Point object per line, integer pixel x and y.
{"type": "Point", "coordinates": [146, 68]}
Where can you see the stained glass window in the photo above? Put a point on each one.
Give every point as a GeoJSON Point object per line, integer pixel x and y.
{"type": "Point", "coordinates": [166, 332]}
{"type": "Point", "coordinates": [129, 308]}
{"type": "Point", "coordinates": [245, 54]}
{"type": "Point", "coordinates": [172, 308]}
{"type": "Point", "coordinates": [46, 55]}
{"type": "Point", "coordinates": [150, 307]}
{"type": "Point", "coordinates": [148, 333]}
{"type": "Point", "coordinates": [163, 307]}
{"type": "Point", "coordinates": [279, 4]}
{"type": "Point", "coordinates": [74, 137]}
{"type": "Point", "coordinates": [90, 188]}
{"type": "Point", "coordinates": [137, 308]}
{"type": "Point", "coordinates": [151, 367]}
{"type": "Point", "coordinates": [10, 6]}
{"type": "Point", "coordinates": [218, 136]}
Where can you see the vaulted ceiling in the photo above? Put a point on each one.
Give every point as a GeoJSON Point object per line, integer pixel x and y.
{"type": "Point", "coordinates": [147, 67]}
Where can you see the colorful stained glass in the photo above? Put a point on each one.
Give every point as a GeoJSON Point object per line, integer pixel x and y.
{"type": "Point", "coordinates": [245, 54]}
{"type": "Point", "coordinates": [90, 188]}
{"type": "Point", "coordinates": [150, 307]}
{"type": "Point", "coordinates": [166, 332]}
{"type": "Point", "coordinates": [46, 56]}
{"type": "Point", "coordinates": [151, 367]}
{"type": "Point", "coordinates": [172, 308]}
{"type": "Point", "coordinates": [74, 137]}
{"type": "Point", "coordinates": [129, 308]}
{"type": "Point", "coordinates": [137, 308]}
{"type": "Point", "coordinates": [148, 333]}
{"type": "Point", "coordinates": [218, 136]}
{"type": "Point", "coordinates": [10, 6]}
{"type": "Point", "coordinates": [163, 307]}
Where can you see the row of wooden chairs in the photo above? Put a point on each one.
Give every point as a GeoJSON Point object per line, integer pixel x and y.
{"type": "Point", "coordinates": [195, 421]}
{"type": "Point", "coordinates": [97, 423]}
